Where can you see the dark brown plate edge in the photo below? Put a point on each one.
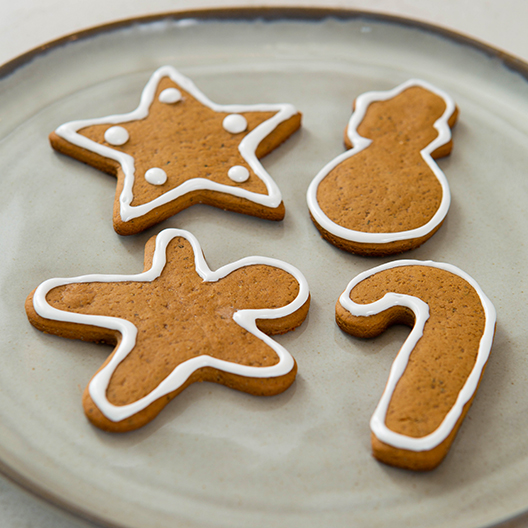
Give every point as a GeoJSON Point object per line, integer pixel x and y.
{"type": "Point", "coordinates": [268, 14]}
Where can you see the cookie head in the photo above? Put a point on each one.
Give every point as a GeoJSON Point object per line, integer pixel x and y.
{"type": "Point", "coordinates": [404, 121]}
{"type": "Point", "coordinates": [179, 148]}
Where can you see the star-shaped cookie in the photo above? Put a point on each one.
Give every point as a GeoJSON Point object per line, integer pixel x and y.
{"type": "Point", "coordinates": [176, 323]}
{"type": "Point", "coordinates": [178, 148]}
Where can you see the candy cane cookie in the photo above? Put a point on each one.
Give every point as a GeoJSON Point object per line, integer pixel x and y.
{"type": "Point", "coordinates": [435, 375]}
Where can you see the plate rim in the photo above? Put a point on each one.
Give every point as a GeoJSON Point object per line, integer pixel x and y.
{"type": "Point", "coordinates": [249, 14]}
{"type": "Point", "coordinates": [267, 14]}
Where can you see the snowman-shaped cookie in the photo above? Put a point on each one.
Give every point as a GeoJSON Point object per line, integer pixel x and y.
{"type": "Point", "coordinates": [387, 194]}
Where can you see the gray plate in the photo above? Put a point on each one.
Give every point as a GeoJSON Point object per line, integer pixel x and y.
{"type": "Point", "coordinates": [216, 457]}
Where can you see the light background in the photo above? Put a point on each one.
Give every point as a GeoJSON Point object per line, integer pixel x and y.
{"type": "Point", "coordinates": [26, 24]}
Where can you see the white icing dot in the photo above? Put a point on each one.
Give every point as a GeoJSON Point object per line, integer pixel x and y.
{"type": "Point", "coordinates": [235, 123]}
{"type": "Point", "coordinates": [156, 176]}
{"type": "Point", "coordinates": [170, 96]}
{"type": "Point", "coordinates": [238, 173]}
{"type": "Point", "coordinates": [116, 135]}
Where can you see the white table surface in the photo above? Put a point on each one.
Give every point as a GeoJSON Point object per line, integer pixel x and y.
{"type": "Point", "coordinates": [26, 24]}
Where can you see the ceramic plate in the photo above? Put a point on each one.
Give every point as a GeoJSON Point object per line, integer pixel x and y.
{"type": "Point", "coordinates": [216, 457]}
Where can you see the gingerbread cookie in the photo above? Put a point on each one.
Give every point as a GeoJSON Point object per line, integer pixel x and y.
{"type": "Point", "coordinates": [178, 148]}
{"type": "Point", "coordinates": [387, 194]}
{"type": "Point", "coordinates": [435, 375]}
{"type": "Point", "coordinates": [176, 323]}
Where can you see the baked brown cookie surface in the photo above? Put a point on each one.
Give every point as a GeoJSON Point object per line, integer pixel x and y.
{"type": "Point", "coordinates": [387, 195]}
{"type": "Point", "coordinates": [435, 375]}
{"type": "Point", "coordinates": [176, 323]}
{"type": "Point", "coordinates": [178, 148]}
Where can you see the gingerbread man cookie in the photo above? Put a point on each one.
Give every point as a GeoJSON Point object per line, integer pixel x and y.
{"type": "Point", "coordinates": [387, 194]}
{"type": "Point", "coordinates": [178, 148]}
{"type": "Point", "coordinates": [435, 375]}
{"type": "Point", "coordinates": [176, 323]}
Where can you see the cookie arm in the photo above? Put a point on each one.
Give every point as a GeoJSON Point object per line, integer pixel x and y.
{"type": "Point", "coordinates": [69, 330]}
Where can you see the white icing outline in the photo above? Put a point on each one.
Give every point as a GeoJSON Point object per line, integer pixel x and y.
{"type": "Point", "coordinates": [244, 318]}
{"type": "Point", "coordinates": [360, 143]}
{"type": "Point", "coordinates": [247, 147]}
{"type": "Point", "coordinates": [421, 311]}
